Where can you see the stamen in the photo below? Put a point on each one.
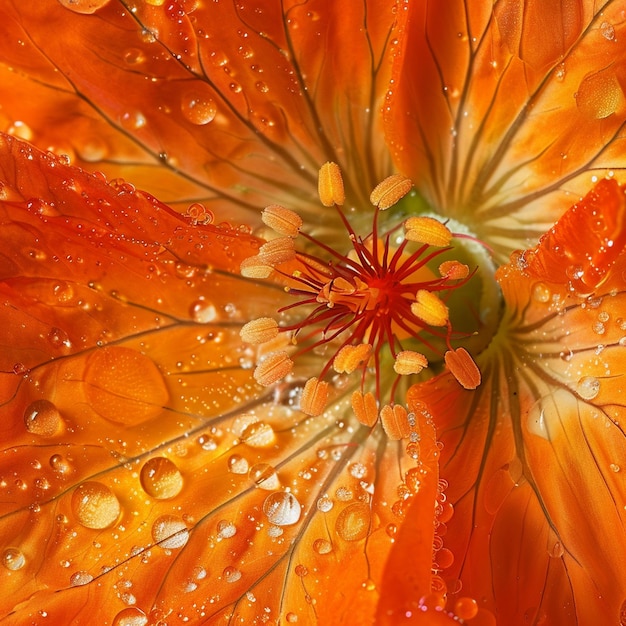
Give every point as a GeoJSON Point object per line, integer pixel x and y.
{"type": "Point", "coordinates": [454, 270]}
{"type": "Point", "coordinates": [390, 190]}
{"type": "Point", "coordinates": [259, 331]}
{"type": "Point", "coordinates": [408, 362]}
{"type": "Point", "coordinates": [277, 251]}
{"type": "Point", "coordinates": [350, 358]}
{"type": "Point", "coordinates": [430, 309]}
{"type": "Point", "coordinates": [272, 368]}
{"type": "Point", "coordinates": [395, 421]}
{"type": "Point", "coordinates": [255, 267]}
{"type": "Point", "coordinates": [314, 397]}
{"type": "Point", "coordinates": [330, 185]}
{"type": "Point", "coordinates": [365, 408]}
{"type": "Point", "coordinates": [427, 230]}
{"type": "Point", "coordinates": [463, 368]}
{"type": "Point", "coordinates": [284, 221]}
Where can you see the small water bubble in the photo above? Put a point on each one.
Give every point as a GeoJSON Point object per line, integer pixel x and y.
{"type": "Point", "coordinates": [324, 504]}
{"type": "Point", "coordinates": [170, 532]}
{"type": "Point", "coordinates": [226, 529]}
{"type": "Point", "coordinates": [598, 328]}
{"type": "Point", "coordinates": [161, 479]}
{"type": "Point", "coordinates": [80, 578]}
{"type": "Point", "coordinates": [42, 418]}
{"type": "Point", "coordinates": [237, 464]}
{"type": "Point", "coordinates": [231, 574]}
{"type": "Point", "coordinates": [541, 293]}
{"type": "Point", "coordinates": [60, 464]}
{"type": "Point", "coordinates": [588, 387]}
{"type": "Point", "coordinates": [95, 506]}
{"type": "Point", "coordinates": [133, 120]}
{"type": "Point", "coordinates": [607, 30]}
{"type": "Point", "coordinates": [264, 476]}
{"type": "Point", "coordinates": [322, 546]}
{"type": "Point", "coordinates": [203, 311]}
{"type": "Point", "coordinates": [198, 109]}
{"type": "Point", "coordinates": [13, 559]}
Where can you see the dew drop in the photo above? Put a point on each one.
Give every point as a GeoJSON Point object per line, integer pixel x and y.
{"type": "Point", "coordinates": [324, 504]}
{"type": "Point", "coordinates": [80, 578]}
{"type": "Point", "coordinates": [352, 524]}
{"type": "Point", "coordinates": [95, 505]}
{"type": "Point", "coordinates": [84, 7]}
{"type": "Point", "coordinates": [60, 464]}
{"type": "Point", "coordinates": [203, 312]}
{"type": "Point", "coordinates": [607, 30]}
{"type": "Point", "coordinates": [42, 418]}
{"type": "Point", "coordinates": [258, 435]}
{"type": "Point", "coordinates": [198, 109]}
{"type": "Point", "coordinates": [615, 468]}
{"type": "Point", "coordinates": [557, 550]}
{"type": "Point", "coordinates": [131, 616]}
{"type": "Point", "coordinates": [282, 508]}
{"type": "Point", "coordinates": [133, 120]}
{"type": "Point", "coordinates": [466, 608]}
{"type": "Point", "coordinates": [161, 479]}
{"type": "Point", "coordinates": [265, 476]}
{"type": "Point", "coordinates": [588, 387]}
{"type": "Point", "coordinates": [237, 464]}
{"type": "Point", "coordinates": [541, 293]}
{"type": "Point", "coordinates": [226, 529]}
{"type": "Point", "coordinates": [291, 618]}
{"type": "Point", "coordinates": [231, 574]}
{"type": "Point", "coordinates": [261, 86]}
{"type": "Point", "coordinates": [322, 546]}
{"type": "Point", "coordinates": [170, 532]}
{"type": "Point", "coordinates": [13, 559]}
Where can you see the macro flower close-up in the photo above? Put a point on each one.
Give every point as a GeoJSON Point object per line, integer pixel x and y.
{"type": "Point", "coordinates": [313, 312]}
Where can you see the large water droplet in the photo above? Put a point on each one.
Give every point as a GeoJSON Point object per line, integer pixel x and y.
{"type": "Point", "coordinates": [170, 532]}
{"type": "Point", "coordinates": [198, 109]}
{"type": "Point", "coordinates": [131, 616]}
{"type": "Point", "coordinates": [95, 505]}
{"type": "Point", "coordinates": [85, 7]}
{"type": "Point", "coordinates": [13, 559]}
{"type": "Point", "coordinates": [42, 418]}
{"type": "Point", "coordinates": [237, 464]}
{"type": "Point", "coordinates": [282, 508]}
{"type": "Point", "coordinates": [80, 578]}
{"type": "Point", "coordinates": [265, 476]}
{"type": "Point", "coordinates": [161, 479]}
{"type": "Point", "coordinates": [588, 387]}
{"type": "Point", "coordinates": [353, 522]}
{"type": "Point", "coordinates": [322, 546]}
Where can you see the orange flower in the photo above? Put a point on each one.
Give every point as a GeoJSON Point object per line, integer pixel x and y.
{"type": "Point", "coordinates": [317, 393]}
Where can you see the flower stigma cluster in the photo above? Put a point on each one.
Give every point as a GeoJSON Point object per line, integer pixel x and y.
{"type": "Point", "coordinates": [386, 297]}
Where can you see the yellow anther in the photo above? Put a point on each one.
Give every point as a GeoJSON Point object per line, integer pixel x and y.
{"type": "Point", "coordinates": [409, 362]}
{"type": "Point", "coordinates": [395, 421]}
{"type": "Point", "coordinates": [463, 368]}
{"type": "Point", "coordinates": [314, 397]}
{"type": "Point", "coordinates": [427, 230]}
{"type": "Point", "coordinates": [350, 358]}
{"type": "Point", "coordinates": [255, 267]}
{"type": "Point", "coordinates": [330, 185]}
{"type": "Point", "coordinates": [390, 190]}
{"type": "Point", "coordinates": [272, 368]}
{"type": "Point", "coordinates": [365, 408]}
{"type": "Point", "coordinates": [284, 221]}
{"type": "Point", "coordinates": [453, 270]}
{"type": "Point", "coordinates": [277, 251]}
{"type": "Point", "coordinates": [259, 331]}
{"type": "Point", "coordinates": [430, 309]}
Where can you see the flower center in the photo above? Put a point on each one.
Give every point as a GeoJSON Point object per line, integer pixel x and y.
{"type": "Point", "coordinates": [381, 306]}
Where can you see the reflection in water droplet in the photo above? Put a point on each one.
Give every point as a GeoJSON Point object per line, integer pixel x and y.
{"type": "Point", "coordinates": [42, 418]}
{"type": "Point", "coordinates": [13, 559]}
{"type": "Point", "coordinates": [588, 387]}
{"type": "Point", "coordinates": [161, 479]}
{"type": "Point", "coordinates": [198, 109]}
{"type": "Point", "coordinates": [541, 293]}
{"type": "Point", "coordinates": [80, 578]}
{"type": "Point", "coordinates": [231, 574]}
{"type": "Point", "coordinates": [322, 546]}
{"type": "Point", "coordinates": [85, 7]}
{"type": "Point", "coordinates": [226, 529]}
{"type": "Point", "coordinates": [258, 435]}
{"type": "Point", "coordinates": [237, 464]}
{"type": "Point", "coordinates": [324, 504]}
{"type": "Point", "coordinates": [170, 532]}
{"type": "Point", "coordinates": [282, 508]}
{"type": "Point", "coordinates": [352, 524]}
{"type": "Point", "coordinates": [265, 476]}
{"type": "Point", "coordinates": [95, 505]}
{"type": "Point", "coordinates": [599, 95]}
{"type": "Point", "coordinates": [466, 608]}
{"type": "Point", "coordinates": [132, 616]}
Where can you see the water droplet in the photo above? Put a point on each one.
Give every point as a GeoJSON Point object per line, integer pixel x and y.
{"type": "Point", "coordinates": [58, 338]}
{"type": "Point", "coordinates": [134, 56]}
{"type": "Point", "coordinates": [324, 504]}
{"type": "Point", "coordinates": [615, 468]}
{"type": "Point", "coordinates": [13, 559]}
{"type": "Point", "coordinates": [226, 529]}
{"type": "Point", "coordinates": [84, 7]}
{"type": "Point", "coordinates": [202, 311]}
{"type": "Point", "coordinates": [198, 109]}
{"type": "Point", "coordinates": [466, 608]}
{"type": "Point", "coordinates": [352, 524]}
{"type": "Point", "coordinates": [588, 387]}
{"type": "Point", "coordinates": [231, 574]}
{"type": "Point", "coordinates": [235, 87]}
{"type": "Point", "coordinates": [161, 479]}
{"type": "Point", "coordinates": [170, 532]}
{"type": "Point", "coordinates": [42, 418]}
{"type": "Point", "coordinates": [607, 30]}
{"type": "Point", "coordinates": [95, 505]}
{"type": "Point", "coordinates": [541, 293]}
{"type": "Point", "coordinates": [599, 95]}
{"type": "Point", "coordinates": [261, 86]}
{"type": "Point", "coordinates": [282, 508]}
{"type": "Point", "coordinates": [536, 422]}
{"type": "Point", "coordinates": [237, 464]}
{"type": "Point", "coordinates": [291, 618]}
{"type": "Point", "coordinates": [265, 476]}
{"type": "Point", "coordinates": [132, 616]}
{"type": "Point", "coordinates": [80, 578]}
{"type": "Point", "coordinates": [322, 546]}
{"type": "Point", "coordinates": [60, 464]}
{"type": "Point", "coordinates": [258, 435]}
{"type": "Point", "coordinates": [557, 550]}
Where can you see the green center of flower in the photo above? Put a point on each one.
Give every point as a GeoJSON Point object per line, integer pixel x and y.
{"type": "Point", "coordinates": [393, 301]}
